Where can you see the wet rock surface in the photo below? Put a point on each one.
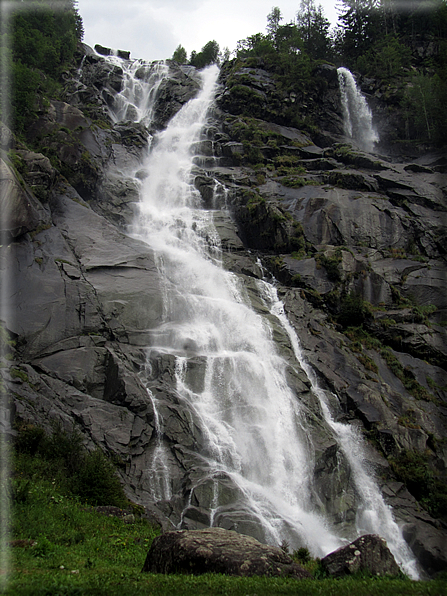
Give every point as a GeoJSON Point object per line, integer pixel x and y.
{"type": "Point", "coordinates": [327, 220]}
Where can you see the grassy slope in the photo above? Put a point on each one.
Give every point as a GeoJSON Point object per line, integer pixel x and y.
{"type": "Point", "coordinates": [68, 548]}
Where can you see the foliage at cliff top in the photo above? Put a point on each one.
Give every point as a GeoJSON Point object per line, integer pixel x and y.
{"type": "Point", "coordinates": [39, 43]}
{"type": "Point", "coordinates": [404, 50]}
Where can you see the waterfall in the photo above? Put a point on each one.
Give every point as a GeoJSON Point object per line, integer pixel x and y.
{"type": "Point", "coordinates": [373, 515]}
{"type": "Point", "coordinates": [141, 82]}
{"type": "Point", "coordinates": [250, 459]}
{"type": "Point", "coordinates": [357, 116]}
{"type": "Point", "coordinates": [256, 438]}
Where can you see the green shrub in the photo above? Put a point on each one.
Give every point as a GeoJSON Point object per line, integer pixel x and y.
{"type": "Point", "coordinates": [414, 470]}
{"type": "Point", "coordinates": [352, 310]}
{"type": "Point", "coordinates": [302, 554]}
{"type": "Point", "coordinates": [96, 481]}
{"type": "Point", "coordinates": [29, 439]}
{"type": "Point", "coordinates": [293, 182]}
{"type": "Point", "coordinates": [90, 477]}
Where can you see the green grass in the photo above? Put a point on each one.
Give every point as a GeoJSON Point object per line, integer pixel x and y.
{"type": "Point", "coordinates": [129, 581]}
{"type": "Point", "coordinates": [68, 548]}
{"type": "Point", "coordinates": [80, 551]}
{"type": "Point", "coordinates": [67, 544]}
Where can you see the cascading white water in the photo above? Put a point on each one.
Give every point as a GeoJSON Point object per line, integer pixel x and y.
{"type": "Point", "coordinates": [142, 79]}
{"type": "Point", "coordinates": [255, 429]}
{"type": "Point", "coordinates": [373, 515]}
{"type": "Point", "coordinates": [256, 432]}
{"type": "Point", "coordinates": [158, 473]}
{"type": "Point", "coordinates": [357, 116]}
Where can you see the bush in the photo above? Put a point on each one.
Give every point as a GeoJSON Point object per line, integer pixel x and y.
{"type": "Point", "coordinates": [89, 476]}
{"type": "Point", "coordinates": [29, 439]}
{"type": "Point", "coordinates": [352, 310]}
{"type": "Point", "coordinates": [302, 555]}
{"type": "Point", "coordinates": [96, 481]}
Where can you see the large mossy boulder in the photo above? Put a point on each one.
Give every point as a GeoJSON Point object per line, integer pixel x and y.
{"type": "Point", "coordinates": [218, 551]}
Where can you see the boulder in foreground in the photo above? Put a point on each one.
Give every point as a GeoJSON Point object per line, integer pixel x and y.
{"type": "Point", "coordinates": [215, 550]}
{"type": "Point", "coordinates": [368, 553]}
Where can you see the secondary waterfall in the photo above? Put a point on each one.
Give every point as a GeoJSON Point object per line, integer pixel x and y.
{"type": "Point", "coordinates": [357, 116]}
{"type": "Point", "coordinates": [373, 515]}
{"type": "Point", "coordinates": [141, 83]}
{"type": "Point", "coordinates": [250, 459]}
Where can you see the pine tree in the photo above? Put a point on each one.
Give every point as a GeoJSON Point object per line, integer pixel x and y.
{"type": "Point", "coordinates": [273, 20]}
{"type": "Point", "coordinates": [361, 25]}
{"type": "Point", "coordinates": [314, 30]}
{"type": "Point", "coordinates": [180, 55]}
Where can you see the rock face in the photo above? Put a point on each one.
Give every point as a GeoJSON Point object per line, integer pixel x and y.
{"type": "Point", "coordinates": [352, 239]}
{"type": "Point", "coordinates": [215, 550]}
{"type": "Point", "coordinates": [368, 553]}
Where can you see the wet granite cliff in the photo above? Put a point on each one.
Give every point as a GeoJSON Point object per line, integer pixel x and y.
{"type": "Point", "coordinates": [355, 240]}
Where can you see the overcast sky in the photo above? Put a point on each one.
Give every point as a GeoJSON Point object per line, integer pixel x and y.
{"type": "Point", "coordinates": [152, 29]}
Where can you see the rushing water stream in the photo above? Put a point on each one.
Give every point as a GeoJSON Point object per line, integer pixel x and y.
{"type": "Point", "coordinates": [257, 437]}
{"type": "Point", "coordinates": [357, 115]}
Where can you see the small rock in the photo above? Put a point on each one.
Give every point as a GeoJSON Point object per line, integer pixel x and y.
{"type": "Point", "coordinates": [371, 554]}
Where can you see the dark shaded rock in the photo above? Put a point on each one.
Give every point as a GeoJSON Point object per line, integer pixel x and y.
{"type": "Point", "coordinates": [19, 210]}
{"type": "Point", "coordinates": [264, 225]}
{"type": "Point", "coordinates": [368, 553]}
{"type": "Point", "coordinates": [39, 174]}
{"type": "Point", "coordinates": [125, 55]}
{"type": "Point", "coordinates": [78, 149]}
{"type": "Point", "coordinates": [216, 550]}
{"type": "Point", "coordinates": [205, 185]}
{"type": "Point", "coordinates": [102, 50]}
{"type": "Point", "coordinates": [351, 180]}
{"type": "Point", "coordinates": [428, 544]}
{"type": "Point", "coordinates": [173, 93]}
{"type": "Point", "coordinates": [327, 72]}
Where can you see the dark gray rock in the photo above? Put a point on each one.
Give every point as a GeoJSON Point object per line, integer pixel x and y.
{"type": "Point", "coordinates": [103, 50]}
{"type": "Point", "coordinates": [85, 299]}
{"type": "Point", "coordinates": [174, 92]}
{"type": "Point", "coordinates": [216, 550]}
{"type": "Point", "coordinates": [428, 544]}
{"type": "Point", "coordinates": [368, 553]}
{"type": "Point", "coordinates": [19, 211]}
{"type": "Point", "coordinates": [39, 174]}
{"type": "Point", "coordinates": [124, 54]}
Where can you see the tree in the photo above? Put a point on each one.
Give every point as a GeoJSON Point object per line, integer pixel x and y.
{"type": "Point", "coordinates": [361, 25]}
{"type": "Point", "coordinates": [386, 59]}
{"type": "Point", "coordinates": [78, 21]}
{"type": "Point", "coordinates": [224, 55]}
{"type": "Point", "coordinates": [180, 55]}
{"type": "Point", "coordinates": [314, 30]}
{"type": "Point", "coordinates": [424, 107]}
{"type": "Point", "coordinates": [273, 20]}
{"type": "Point", "coordinates": [42, 42]}
{"type": "Point", "coordinates": [288, 39]}
{"type": "Point", "coordinates": [46, 38]}
{"type": "Point", "coordinates": [415, 18]}
{"type": "Point", "coordinates": [209, 54]}
{"type": "Point", "coordinates": [255, 45]}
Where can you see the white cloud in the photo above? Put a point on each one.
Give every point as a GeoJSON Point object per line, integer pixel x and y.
{"type": "Point", "coordinates": [153, 29]}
